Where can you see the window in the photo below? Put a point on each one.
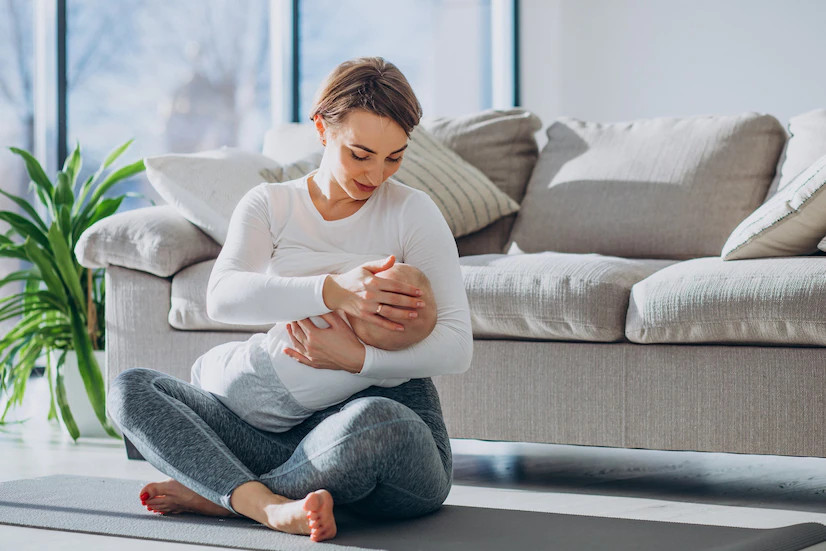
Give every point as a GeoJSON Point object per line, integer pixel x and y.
{"type": "Point", "coordinates": [443, 47]}
{"type": "Point", "coordinates": [180, 77]}
{"type": "Point", "coordinates": [17, 114]}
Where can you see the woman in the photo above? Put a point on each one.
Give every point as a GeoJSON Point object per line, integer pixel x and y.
{"type": "Point", "coordinates": [382, 452]}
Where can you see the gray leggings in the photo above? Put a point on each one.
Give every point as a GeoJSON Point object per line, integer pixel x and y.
{"type": "Point", "coordinates": [384, 452]}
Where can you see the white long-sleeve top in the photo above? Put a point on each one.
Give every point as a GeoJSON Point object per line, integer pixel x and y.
{"type": "Point", "coordinates": [270, 271]}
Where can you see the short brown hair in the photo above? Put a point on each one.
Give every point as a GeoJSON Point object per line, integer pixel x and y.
{"type": "Point", "coordinates": [369, 83]}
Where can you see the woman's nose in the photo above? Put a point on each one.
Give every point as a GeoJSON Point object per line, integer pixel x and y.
{"type": "Point", "coordinates": [374, 175]}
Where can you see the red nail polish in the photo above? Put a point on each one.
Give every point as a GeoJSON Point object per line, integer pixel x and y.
{"type": "Point", "coordinates": [144, 495]}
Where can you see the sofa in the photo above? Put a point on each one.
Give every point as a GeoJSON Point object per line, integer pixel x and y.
{"type": "Point", "coordinates": [618, 306]}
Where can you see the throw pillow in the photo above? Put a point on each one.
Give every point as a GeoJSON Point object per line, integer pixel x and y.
{"type": "Point", "coordinates": [205, 187]}
{"type": "Point", "coordinates": [466, 197]}
{"type": "Point", "coordinates": [651, 188]}
{"type": "Point", "coordinates": [806, 143]}
{"type": "Point", "coordinates": [791, 223]}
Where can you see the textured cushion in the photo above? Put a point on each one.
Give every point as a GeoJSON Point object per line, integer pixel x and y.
{"type": "Point", "coordinates": [652, 188]}
{"type": "Point", "coordinates": [552, 296]}
{"type": "Point", "coordinates": [806, 144]}
{"type": "Point", "coordinates": [206, 186]}
{"type": "Point", "coordinates": [792, 222]}
{"type": "Point", "coordinates": [502, 144]}
{"type": "Point", "coordinates": [542, 296]}
{"type": "Point", "coordinates": [708, 300]}
{"type": "Point", "coordinates": [467, 198]}
{"type": "Point", "coordinates": [157, 240]}
{"type": "Point", "coordinates": [188, 302]}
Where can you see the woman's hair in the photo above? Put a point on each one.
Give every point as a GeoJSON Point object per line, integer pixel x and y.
{"type": "Point", "coordinates": [369, 83]}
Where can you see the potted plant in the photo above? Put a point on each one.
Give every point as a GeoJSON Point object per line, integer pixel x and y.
{"type": "Point", "coordinates": [62, 302]}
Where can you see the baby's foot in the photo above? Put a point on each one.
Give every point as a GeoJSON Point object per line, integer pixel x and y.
{"type": "Point", "coordinates": [170, 497]}
{"type": "Point", "coordinates": [311, 516]}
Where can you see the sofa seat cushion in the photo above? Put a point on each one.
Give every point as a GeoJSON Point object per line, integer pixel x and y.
{"type": "Point", "coordinates": [708, 300]}
{"type": "Point", "coordinates": [188, 302]}
{"type": "Point", "coordinates": [552, 296]}
{"type": "Point", "coordinates": [549, 296]}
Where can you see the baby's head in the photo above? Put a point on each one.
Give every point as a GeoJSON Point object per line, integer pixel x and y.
{"type": "Point", "coordinates": [415, 329]}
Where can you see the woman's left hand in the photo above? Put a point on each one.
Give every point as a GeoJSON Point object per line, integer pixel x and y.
{"type": "Point", "coordinates": [334, 347]}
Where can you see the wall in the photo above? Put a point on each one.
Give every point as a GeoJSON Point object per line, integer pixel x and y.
{"type": "Point", "coordinates": [615, 60]}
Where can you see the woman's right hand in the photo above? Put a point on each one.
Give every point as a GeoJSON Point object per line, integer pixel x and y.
{"type": "Point", "coordinates": [359, 293]}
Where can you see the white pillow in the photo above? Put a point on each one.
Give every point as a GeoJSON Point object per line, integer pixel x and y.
{"type": "Point", "coordinates": [791, 223]}
{"type": "Point", "coordinates": [205, 187]}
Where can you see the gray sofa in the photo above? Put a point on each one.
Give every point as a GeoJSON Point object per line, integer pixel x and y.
{"type": "Point", "coordinates": [612, 322]}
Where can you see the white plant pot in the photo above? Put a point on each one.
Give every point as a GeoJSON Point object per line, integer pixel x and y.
{"type": "Point", "coordinates": [82, 411]}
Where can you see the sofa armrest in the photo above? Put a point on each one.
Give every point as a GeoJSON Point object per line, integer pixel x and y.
{"type": "Point", "coordinates": [155, 239]}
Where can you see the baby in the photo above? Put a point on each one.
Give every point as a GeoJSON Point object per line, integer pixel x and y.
{"type": "Point", "coordinates": [274, 392]}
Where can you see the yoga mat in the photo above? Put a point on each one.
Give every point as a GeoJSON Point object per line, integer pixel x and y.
{"type": "Point", "coordinates": [109, 506]}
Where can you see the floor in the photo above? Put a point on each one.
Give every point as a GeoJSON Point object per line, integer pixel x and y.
{"type": "Point", "coordinates": [703, 488]}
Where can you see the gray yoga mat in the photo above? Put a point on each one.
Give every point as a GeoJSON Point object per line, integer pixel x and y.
{"type": "Point", "coordinates": [110, 506]}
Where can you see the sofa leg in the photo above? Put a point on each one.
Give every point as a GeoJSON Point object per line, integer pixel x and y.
{"type": "Point", "coordinates": [131, 451]}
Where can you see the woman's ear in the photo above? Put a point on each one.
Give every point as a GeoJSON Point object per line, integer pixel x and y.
{"type": "Point", "coordinates": [321, 127]}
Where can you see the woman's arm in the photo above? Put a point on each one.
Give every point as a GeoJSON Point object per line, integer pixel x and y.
{"type": "Point", "coordinates": [239, 289]}
{"type": "Point", "coordinates": [429, 245]}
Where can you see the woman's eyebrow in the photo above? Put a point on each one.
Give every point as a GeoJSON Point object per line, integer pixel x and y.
{"type": "Point", "coordinates": [367, 149]}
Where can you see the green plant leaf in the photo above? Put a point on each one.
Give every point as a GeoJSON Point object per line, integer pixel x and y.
{"type": "Point", "coordinates": [52, 406]}
{"type": "Point", "coordinates": [63, 402]}
{"type": "Point", "coordinates": [73, 164]}
{"type": "Point", "coordinates": [28, 208]}
{"type": "Point", "coordinates": [36, 173]}
{"type": "Point", "coordinates": [47, 269]}
{"type": "Point", "coordinates": [114, 154]}
{"type": "Point", "coordinates": [13, 252]}
{"type": "Point", "coordinates": [90, 372]}
{"type": "Point", "coordinates": [105, 208]}
{"type": "Point", "coordinates": [45, 199]}
{"type": "Point", "coordinates": [22, 275]}
{"type": "Point", "coordinates": [24, 228]}
{"type": "Point", "coordinates": [87, 185]}
{"type": "Point", "coordinates": [66, 267]}
{"type": "Point", "coordinates": [63, 194]}
{"type": "Point", "coordinates": [64, 221]}
{"type": "Point", "coordinates": [115, 177]}
{"type": "Point", "coordinates": [22, 370]}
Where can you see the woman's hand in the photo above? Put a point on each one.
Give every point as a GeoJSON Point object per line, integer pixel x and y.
{"type": "Point", "coordinates": [334, 347]}
{"type": "Point", "coordinates": [360, 294]}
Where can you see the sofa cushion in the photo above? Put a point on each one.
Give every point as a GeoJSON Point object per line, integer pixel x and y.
{"type": "Point", "coordinates": [552, 296]}
{"type": "Point", "coordinates": [652, 188]}
{"type": "Point", "coordinates": [156, 239]}
{"type": "Point", "coordinates": [807, 143]}
{"type": "Point", "coordinates": [188, 302]}
{"type": "Point", "coordinates": [502, 144]}
{"type": "Point", "coordinates": [708, 300]}
{"type": "Point", "coordinates": [548, 296]}
{"type": "Point", "coordinates": [791, 223]}
{"type": "Point", "coordinates": [205, 187]}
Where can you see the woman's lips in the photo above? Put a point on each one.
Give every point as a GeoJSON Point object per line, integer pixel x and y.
{"type": "Point", "coordinates": [362, 187]}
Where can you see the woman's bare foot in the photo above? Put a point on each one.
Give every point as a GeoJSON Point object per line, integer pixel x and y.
{"type": "Point", "coordinates": [311, 516]}
{"type": "Point", "coordinates": [170, 496]}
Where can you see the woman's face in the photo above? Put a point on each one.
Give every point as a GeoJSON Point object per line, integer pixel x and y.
{"type": "Point", "coordinates": [363, 151]}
